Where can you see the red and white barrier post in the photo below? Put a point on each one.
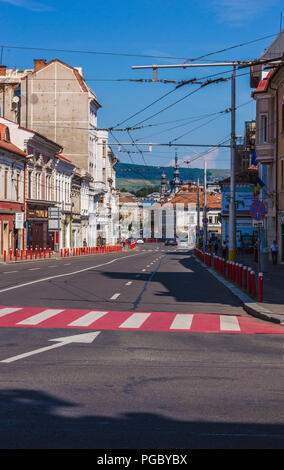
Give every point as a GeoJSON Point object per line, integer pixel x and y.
{"type": "Point", "coordinates": [260, 287]}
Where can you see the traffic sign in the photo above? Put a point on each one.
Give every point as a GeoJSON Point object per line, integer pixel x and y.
{"type": "Point", "coordinates": [205, 221]}
{"type": "Point", "coordinates": [257, 210]}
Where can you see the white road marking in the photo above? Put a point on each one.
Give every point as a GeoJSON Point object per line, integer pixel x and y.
{"type": "Point", "coordinates": [40, 317]}
{"type": "Point", "coordinates": [6, 289]}
{"type": "Point", "coordinates": [143, 270]}
{"type": "Point", "coordinates": [115, 296]}
{"type": "Point", "coordinates": [135, 320]}
{"type": "Point", "coordinates": [229, 323]}
{"type": "Point", "coordinates": [33, 269]}
{"type": "Point", "coordinates": [8, 310]}
{"type": "Point", "coordinates": [88, 319]}
{"type": "Point", "coordinates": [128, 283]}
{"type": "Point", "coordinates": [182, 322]}
{"type": "Point", "coordinates": [9, 272]}
{"type": "Point", "coordinates": [83, 338]}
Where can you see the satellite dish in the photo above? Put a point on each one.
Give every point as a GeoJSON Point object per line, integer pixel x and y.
{"type": "Point", "coordinates": [16, 99]}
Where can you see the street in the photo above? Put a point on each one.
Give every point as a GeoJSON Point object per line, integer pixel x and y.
{"type": "Point", "coordinates": [174, 360]}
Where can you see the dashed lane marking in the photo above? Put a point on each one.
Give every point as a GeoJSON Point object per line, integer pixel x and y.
{"type": "Point", "coordinates": [115, 296]}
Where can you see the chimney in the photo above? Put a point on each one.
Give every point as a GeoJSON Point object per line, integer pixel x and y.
{"type": "Point", "coordinates": [3, 70]}
{"type": "Point", "coordinates": [39, 64]}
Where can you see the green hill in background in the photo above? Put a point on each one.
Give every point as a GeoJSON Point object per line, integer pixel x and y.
{"type": "Point", "coordinates": [134, 177]}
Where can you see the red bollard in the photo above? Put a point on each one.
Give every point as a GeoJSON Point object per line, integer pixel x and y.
{"type": "Point", "coordinates": [49, 252]}
{"type": "Point", "coordinates": [11, 255]}
{"type": "Point", "coordinates": [5, 256]}
{"type": "Point", "coordinates": [61, 252]}
{"type": "Point", "coordinates": [16, 255]}
{"type": "Point", "coordinates": [40, 253]}
{"type": "Point", "coordinates": [253, 287]}
{"type": "Point", "coordinates": [260, 287]}
{"type": "Point", "coordinates": [22, 255]}
{"type": "Point", "coordinates": [31, 254]}
{"type": "Point", "coordinates": [44, 253]}
{"type": "Point", "coordinates": [26, 255]}
{"type": "Point", "coordinates": [249, 281]}
{"type": "Point", "coordinates": [241, 275]}
{"type": "Point", "coordinates": [36, 253]}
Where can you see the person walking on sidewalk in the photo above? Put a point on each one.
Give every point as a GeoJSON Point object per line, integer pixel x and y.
{"type": "Point", "coordinates": [274, 252]}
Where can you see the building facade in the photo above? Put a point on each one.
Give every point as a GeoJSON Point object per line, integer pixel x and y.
{"type": "Point", "coordinates": [54, 100]}
{"type": "Point", "coordinates": [12, 197]}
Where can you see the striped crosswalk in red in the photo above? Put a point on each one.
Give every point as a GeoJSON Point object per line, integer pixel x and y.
{"type": "Point", "coordinates": [137, 321]}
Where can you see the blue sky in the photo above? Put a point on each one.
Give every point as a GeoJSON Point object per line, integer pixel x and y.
{"type": "Point", "coordinates": [182, 28]}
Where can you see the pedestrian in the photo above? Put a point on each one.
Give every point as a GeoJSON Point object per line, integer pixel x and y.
{"type": "Point", "coordinates": [216, 247]}
{"type": "Point", "coordinates": [274, 249]}
{"type": "Point", "coordinates": [224, 250]}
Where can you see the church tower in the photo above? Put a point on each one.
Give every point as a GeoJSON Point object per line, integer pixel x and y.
{"type": "Point", "coordinates": [176, 182]}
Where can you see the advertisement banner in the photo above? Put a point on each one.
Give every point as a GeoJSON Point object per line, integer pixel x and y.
{"type": "Point", "coordinates": [244, 200]}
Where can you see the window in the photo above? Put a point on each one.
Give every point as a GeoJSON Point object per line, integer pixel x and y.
{"type": "Point", "coordinates": [48, 187]}
{"type": "Point", "coordinates": [104, 149]}
{"type": "Point", "coordinates": [6, 184]}
{"type": "Point", "coordinates": [263, 129]}
{"type": "Point", "coordinates": [29, 185]}
{"type": "Point", "coordinates": [17, 186]}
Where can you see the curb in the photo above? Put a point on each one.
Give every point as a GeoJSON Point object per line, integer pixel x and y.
{"type": "Point", "coordinates": [250, 306]}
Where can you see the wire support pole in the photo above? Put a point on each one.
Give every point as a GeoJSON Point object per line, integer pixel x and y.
{"type": "Point", "coordinates": [232, 211]}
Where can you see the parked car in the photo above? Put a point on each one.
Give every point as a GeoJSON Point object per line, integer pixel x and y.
{"type": "Point", "coordinates": [171, 241]}
{"type": "Point", "coordinates": [140, 240]}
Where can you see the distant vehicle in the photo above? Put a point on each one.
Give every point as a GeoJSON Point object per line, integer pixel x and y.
{"type": "Point", "coordinates": [139, 240]}
{"type": "Point", "coordinates": [183, 243]}
{"type": "Point", "coordinates": [171, 241]}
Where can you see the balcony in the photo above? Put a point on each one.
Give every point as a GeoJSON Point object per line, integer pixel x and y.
{"type": "Point", "coordinates": [265, 153]}
{"type": "Point", "coordinates": [99, 187]}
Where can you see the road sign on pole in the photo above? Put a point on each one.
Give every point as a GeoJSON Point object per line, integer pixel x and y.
{"type": "Point", "coordinates": [257, 210]}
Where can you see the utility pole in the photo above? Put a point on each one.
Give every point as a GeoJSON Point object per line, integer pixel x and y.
{"type": "Point", "coordinates": [205, 206]}
{"type": "Point", "coordinates": [197, 235]}
{"type": "Point", "coordinates": [232, 211]}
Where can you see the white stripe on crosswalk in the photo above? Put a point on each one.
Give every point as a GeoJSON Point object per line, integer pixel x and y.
{"type": "Point", "coordinates": [40, 317]}
{"type": "Point", "coordinates": [182, 322]}
{"type": "Point", "coordinates": [135, 321]}
{"type": "Point", "coordinates": [229, 323]}
{"type": "Point", "coordinates": [88, 319]}
{"type": "Point", "coordinates": [8, 310]}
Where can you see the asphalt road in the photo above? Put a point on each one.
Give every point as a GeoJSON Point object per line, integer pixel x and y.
{"type": "Point", "coordinates": [135, 389]}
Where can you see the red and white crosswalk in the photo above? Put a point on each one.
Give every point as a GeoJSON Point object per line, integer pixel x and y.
{"type": "Point", "coordinates": [142, 321]}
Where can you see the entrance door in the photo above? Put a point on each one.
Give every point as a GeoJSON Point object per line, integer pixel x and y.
{"type": "Point", "coordinates": [37, 235]}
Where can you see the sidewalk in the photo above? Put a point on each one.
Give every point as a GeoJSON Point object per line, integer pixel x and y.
{"type": "Point", "coordinates": [273, 283]}
{"type": "Point", "coordinates": [272, 307]}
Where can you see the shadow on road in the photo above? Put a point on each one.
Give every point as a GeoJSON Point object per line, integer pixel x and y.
{"type": "Point", "coordinates": [33, 419]}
